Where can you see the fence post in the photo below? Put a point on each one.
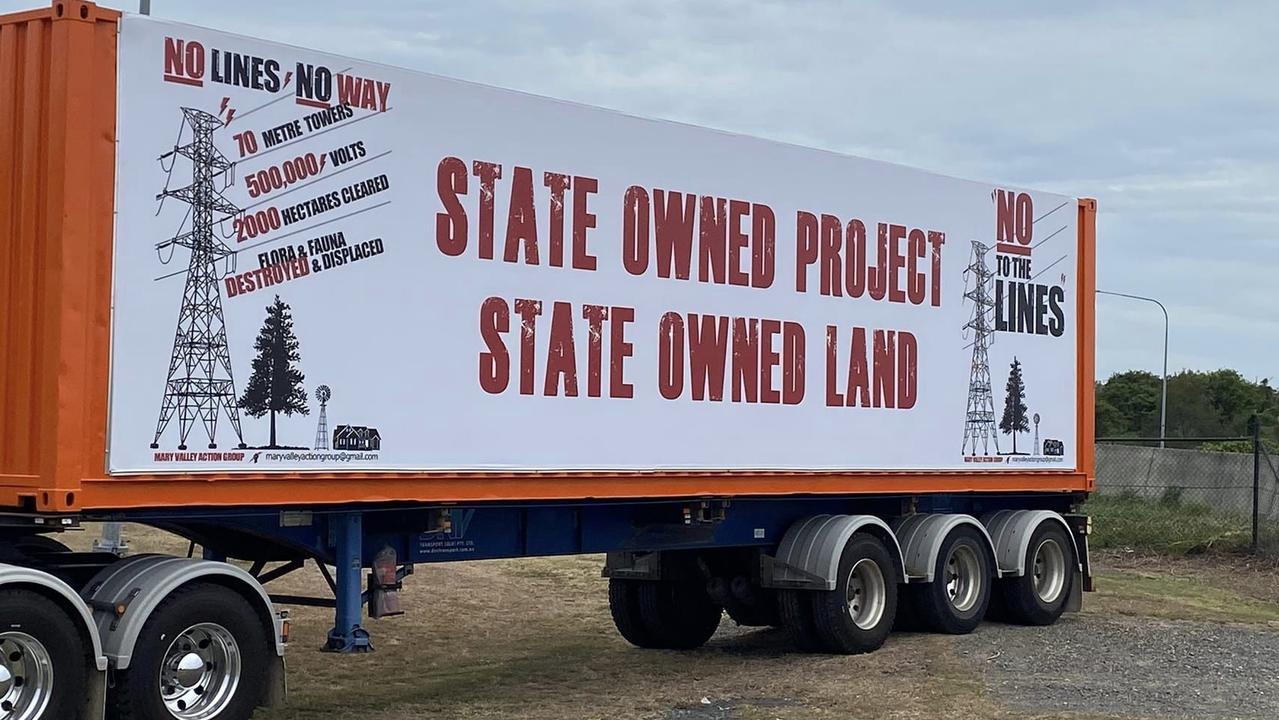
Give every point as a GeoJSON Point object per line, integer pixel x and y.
{"type": "Point", "coordinates": [1254, 424]}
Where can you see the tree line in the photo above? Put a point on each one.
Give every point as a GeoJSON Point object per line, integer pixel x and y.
{"type": "Point", "coordinates": [1219, 403]}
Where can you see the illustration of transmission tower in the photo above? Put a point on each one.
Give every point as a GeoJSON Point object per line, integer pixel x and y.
{"type": "Point", "coordinates": [979, 423]}
{"type": "Point", "coordinates": [200, 386]}
{"type": "Point", "coordinates": [323, 393]}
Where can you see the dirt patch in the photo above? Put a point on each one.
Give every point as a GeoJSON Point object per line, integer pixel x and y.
{"type": "Point", "coordinates": [532, 639]}
{"type": "Point", "coordinates": [732, 708]}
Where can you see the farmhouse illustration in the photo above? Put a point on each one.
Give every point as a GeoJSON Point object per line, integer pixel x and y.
{"type": "Point", "coordinates": [356, 437]}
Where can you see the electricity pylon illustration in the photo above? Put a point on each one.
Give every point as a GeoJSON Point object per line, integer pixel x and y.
{"type": "Point", "coordinates": [979, 422]}
{"type": "Point", "coordinates": [200, 386]}
{"type": "Point", "coordinates": [323, 394]}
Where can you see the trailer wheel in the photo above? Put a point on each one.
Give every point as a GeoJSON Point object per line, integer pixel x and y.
{"type": "Point", "coordinates": [762, 615]}
{"type": "Point", "coordinates": [858, 614]}
{"type": "Point", "coordinates": [203, 653]}
{"type": "Point", "coordinates": [956, 600]}
{"type": "Point", "coordinates": [1039, 596]}
{"type": "Point", "coordinates": [678, 615]}
{"type": "Point", "coordinates": [624, 606]}
{"type": "Point", "coordinates": [796, 613]}
{"type": "Point", "coordinates": [43, 661]}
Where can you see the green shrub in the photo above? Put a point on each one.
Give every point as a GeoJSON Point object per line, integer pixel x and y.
{"type": "Point", "coordinates": [1166, 525]}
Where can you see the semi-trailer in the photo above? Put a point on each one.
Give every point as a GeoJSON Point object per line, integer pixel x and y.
{"type": "Point", "coordinates": [300, 308]}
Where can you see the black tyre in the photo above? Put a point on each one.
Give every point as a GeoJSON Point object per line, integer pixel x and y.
{"type": "Point", "coordinates": [956, 600]}
{"type": "Point", "coordinates": [907, 619]}
{"type": "Point", "coordinates": [44, 660]}
{"type": "Point", "coordinates": [623, 605]}
{"type": "Point", "coordinates": [678, 614]}
{"type": "Point", "coordinates": [203, 653]}
{"type": "Point", "coordinates": [858, 614]}
{"type": "Point", "coordinates": [1039, 596]}
{"type": "Point", "coordinates": [752, 605]}
{"type": "Point", "coordinates": [762, 615]}
{"type": "Point", "coordinates": [796, 613]}
{"type": "Point", "coordinates": [997, 611]}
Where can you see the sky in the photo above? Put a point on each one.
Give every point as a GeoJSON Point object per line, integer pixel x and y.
{"type": "Point", "coordinates": [1166, 112]}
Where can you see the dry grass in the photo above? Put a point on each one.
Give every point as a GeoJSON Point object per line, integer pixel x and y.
{"type": "Point", "coordinates": [1149, 594]}
{"type": "Point", "coordinates": [1252, 576]}
{"type": "Point", "coordinates": [532, 639]}
{"type": "Point", "coordinates": [1216, 589]}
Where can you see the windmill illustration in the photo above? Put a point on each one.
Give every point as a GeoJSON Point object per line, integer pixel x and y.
{"type": "Point", "coordinates": [323, 393]}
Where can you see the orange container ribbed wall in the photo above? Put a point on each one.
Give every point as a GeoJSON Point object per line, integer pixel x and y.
{"type": "Point", "coordinates": [57, 167]}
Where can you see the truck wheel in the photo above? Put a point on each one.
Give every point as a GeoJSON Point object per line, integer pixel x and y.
{"type": "Point", "coordinates": [1039, 596]}
{"type": "Point", "coordinates": [955, 601]}
{"type": "Point", "coordinates": [43, 662]}
{"type": "Point", "coordinates": [679, 615]}
{"type": "Point", "coordinates": [858, 614]}
{"type": "Point", "coordinates": [623, 605]}
{"type": "Point", "coordinates": [203, 653]}
{"type": "Point", "coordinates": [796, 613]}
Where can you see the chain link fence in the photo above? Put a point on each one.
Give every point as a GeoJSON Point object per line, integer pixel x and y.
{"type": "Point", "coordinates": [1185, 495]}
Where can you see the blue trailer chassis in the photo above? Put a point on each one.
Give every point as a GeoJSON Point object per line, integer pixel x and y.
{"type": "Point", "coordinates": [350, 537]}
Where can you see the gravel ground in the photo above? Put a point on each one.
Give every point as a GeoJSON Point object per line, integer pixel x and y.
{"type": "Point", "coordinates": [726, 708]}
{"type": "Point", "coordinates": [1131, 666]}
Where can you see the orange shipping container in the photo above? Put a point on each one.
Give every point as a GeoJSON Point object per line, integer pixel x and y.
{"type": "Point", "coordinates": [62, 393]}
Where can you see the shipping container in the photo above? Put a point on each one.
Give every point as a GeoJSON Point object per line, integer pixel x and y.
{"type": "Point", "coordinates": [396, 336]}
{"type": "Point", "coordinates": [296, 306]}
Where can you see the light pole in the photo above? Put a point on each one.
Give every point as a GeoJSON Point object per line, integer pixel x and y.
{"type": "Point", "coordinates": [1163, 400]}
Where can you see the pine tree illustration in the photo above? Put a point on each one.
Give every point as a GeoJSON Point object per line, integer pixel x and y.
{"type": "Point", "coordinates": [1014, 420]}
{"type": "Point", "coordinates": [276, 383]}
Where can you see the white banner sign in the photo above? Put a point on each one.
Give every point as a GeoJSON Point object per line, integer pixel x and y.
{"type": "Point", "coordinates": [326, 264]}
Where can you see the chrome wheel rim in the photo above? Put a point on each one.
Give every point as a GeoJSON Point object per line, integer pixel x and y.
{"type": "Point", "coordinates": [1049, 570]}
{"type": "Point", "coordinates": [200, 672]}
{"type": "Point", "coordinates": [26, 677]}
{"type": "Point", "coordinates": [865, 594]}
{"type": "Point", "coordinates": [963, 578]}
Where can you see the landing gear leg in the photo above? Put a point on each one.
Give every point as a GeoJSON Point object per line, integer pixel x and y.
{"type": "Point", "coordinates": [347, 636]}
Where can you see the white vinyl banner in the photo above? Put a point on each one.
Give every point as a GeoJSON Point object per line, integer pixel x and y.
{"type": "Point", "coordinates": [325, 264]}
